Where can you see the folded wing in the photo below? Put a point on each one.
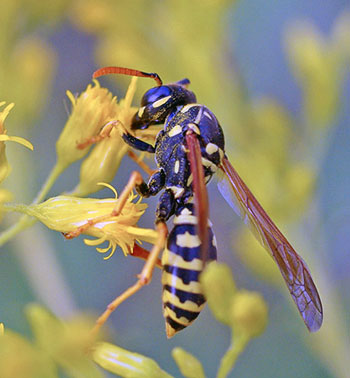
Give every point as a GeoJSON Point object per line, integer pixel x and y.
{"type": "Point", "coordinates": [293, 268]}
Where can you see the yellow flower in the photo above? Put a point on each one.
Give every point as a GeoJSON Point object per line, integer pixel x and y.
{"type": "Point", "coordinates": [4, 166]}
{"type": "Point", "coordinates": [93, 109]}
{"type": "Point", "coordinates": [67, 213]}
{"type": "Point", "coordinates": [103, 161]}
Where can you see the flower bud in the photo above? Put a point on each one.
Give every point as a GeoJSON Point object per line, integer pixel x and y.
{"type": "Point", "coordinates": [67, 343]}
{"type": "Point", "coordinates": [103, 162]}
{"type": "Point", "coordinates": [219, 289]}
{"type": "Point", "coordinates": [94, 108]}
{"type": "Point", "coordinates": [248, 313]}
{"type": "Point", "coordinates": [101, 165]}
{"type": "Point", "coordinates": [125, 363]}
{"type": "Point", "coordinates": [18, 358]}
{"type": "Point", "coordinates": [189, 365]}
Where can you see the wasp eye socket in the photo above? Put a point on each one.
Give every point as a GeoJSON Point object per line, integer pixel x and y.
{"type": "Point", "coordinates": [155, 94]}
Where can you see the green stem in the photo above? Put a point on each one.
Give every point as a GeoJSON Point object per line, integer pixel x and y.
{"type": "Point", "coordinates": [55, 172]}
{"type": "Point", "coordinates": [229, 359]}
{"type": "Point", "coordinates": [26, 221]}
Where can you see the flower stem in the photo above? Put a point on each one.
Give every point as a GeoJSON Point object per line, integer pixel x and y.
{"type": "Point", "coordinates": [229, 359]}
{"type": "Point", "coordinates": [26, 221]}
{"type": "Point", "coordinates": [55, 172]}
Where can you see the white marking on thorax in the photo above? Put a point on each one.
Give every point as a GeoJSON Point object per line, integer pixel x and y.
{"type": "Point", "coordinates": [211, 148]}
{"type": "Point", "coordinates": [208, 115]}
{"type": "Point", "coordinates": [199, 116]}
{"type": "Point", "coordinates": [187, 107]}
{"type": "Point", "coordinates": [176, 166]}
{"type": "Point", "coordinates": [177, 129]}
{"type": "Point", "coordinates": [178, 192]}
{"type": "Point", "coordinates": [194, 128]}
{"type": "Point", "coordinates": [186, 211]}
{"type": "Point", "coordinates": [208, 164]}
{"type": "Point", "coordinates": [160, 102]}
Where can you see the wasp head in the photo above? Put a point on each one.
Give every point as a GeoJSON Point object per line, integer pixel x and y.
{"type": "Point", "coordinates": [158, 102]}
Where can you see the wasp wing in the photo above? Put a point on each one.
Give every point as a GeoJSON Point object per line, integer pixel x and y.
{"type": "Point", "coordinates": [294, 270]}
{"type": "Point", "coordinates": [200, 192]}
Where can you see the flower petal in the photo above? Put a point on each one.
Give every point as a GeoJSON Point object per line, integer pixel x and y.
{"type": "Point", "coordinates": [24, 142]}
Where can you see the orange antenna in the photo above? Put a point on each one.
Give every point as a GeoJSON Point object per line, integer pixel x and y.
{"type": "Point", "coordinates": [126, 71]}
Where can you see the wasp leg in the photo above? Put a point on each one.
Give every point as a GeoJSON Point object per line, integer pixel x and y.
{"type": "Point", "coordinates": [135, 180]}
{"type": "Point", "coordinates": [155, 184]}
{"type": "Point", "coordinates": [138, 144]}
{"type": "Point", "coordinates": [144, 277]}
{"type": "Point", "coordinates": [166, 206]}
{"type": "Point", "coordinates": [138, 160]}
{"type": "Point", "coordinates": [104, 133]}
{"type": "Point", "coordinates": [143, 254]}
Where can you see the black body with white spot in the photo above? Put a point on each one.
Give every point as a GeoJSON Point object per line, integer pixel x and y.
{"type": "Point", "coordinates": [175, 106]}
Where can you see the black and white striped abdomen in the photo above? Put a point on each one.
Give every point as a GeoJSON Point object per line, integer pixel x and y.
{"type": "Point", "coordinates": [182, 293]}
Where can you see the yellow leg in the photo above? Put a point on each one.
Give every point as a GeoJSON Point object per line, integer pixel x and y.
{"type": "Point", "coordinates": [144, 277]}
{"type": "Point", "coordinates": [140, 163]}
{"type": "Point", "coordinates": [135, 179]}
{"type": "Point", "coordinates": [105, 133]}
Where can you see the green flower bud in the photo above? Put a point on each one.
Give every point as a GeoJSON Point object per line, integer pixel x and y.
{"type": "Point", "coordinates": [189, 365]}
{"type": "Point", "coordinates": [18, 358]}
{"type": "Point", "coordinates": [248, 313]}
{"type": "Point", "coordinates": [125, 363]}
{"type": "Point", "coordinates": [219, 289]}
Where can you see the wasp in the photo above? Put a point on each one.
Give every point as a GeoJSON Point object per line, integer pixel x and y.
{"type": "Point", "coordinates": [189, 150]}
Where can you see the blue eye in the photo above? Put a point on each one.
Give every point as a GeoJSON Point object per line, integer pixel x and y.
{"type": "Point", "coordinates": [155, 94]}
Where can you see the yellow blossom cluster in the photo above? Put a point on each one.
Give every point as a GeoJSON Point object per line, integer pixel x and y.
{"type": "Point", "coordinates": [67, 214]}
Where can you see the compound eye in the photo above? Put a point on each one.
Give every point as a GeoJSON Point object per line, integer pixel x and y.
{"type": "Point", "coordinates": [155, 94]}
